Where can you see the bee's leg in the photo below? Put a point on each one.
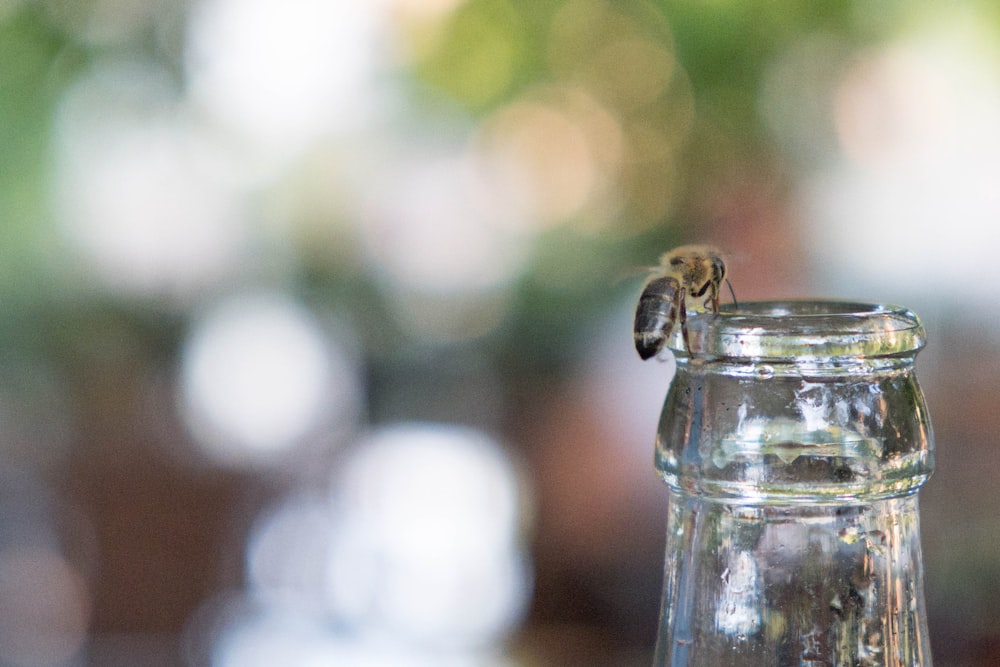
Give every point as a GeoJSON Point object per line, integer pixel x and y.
{"type": "Point", "coordinates": [718, 275]}
{"type": "Point", "coordinates": [682, 315]}
{"type": "Point", "coordinates": [715, 297]}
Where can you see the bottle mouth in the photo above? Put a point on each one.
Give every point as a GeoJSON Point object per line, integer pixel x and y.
{"type": "Point", "coordinates": [796, 330]}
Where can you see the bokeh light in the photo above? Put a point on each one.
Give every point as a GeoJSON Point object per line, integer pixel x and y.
{"type": "Point", "coordinates": [44, 609]}
{"type": "Point", "coordinates": [45, 595]}
{"type": "Point", "coordinates": [444, 247]}
{"type": "Point", "coordinates": [564, 148]}
{"type": "Point", "coordinates": [623, 57]}
{"type": "Point", "coordinates": [288, 551]}
{"type": "Point", "coordinates": [283, 74]}
{"type": "Point", "coordinates": [444, 229]}
{"type": "Point", "coordinates": [251, 635]}
{"type": "Point", "coordinates": [259, 375]}
{"type": "Point", "coordinates": [428, 546]}
{"type": "Point", "coordinates": [143, 195]}
{"type": "Point", "coordinates": [416, 556]}
{"type": "Point", "coordinates": [493, 39]}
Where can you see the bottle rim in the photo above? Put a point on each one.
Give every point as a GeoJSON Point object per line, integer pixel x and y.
{"type": "Point", "coordinates": [793, 330]}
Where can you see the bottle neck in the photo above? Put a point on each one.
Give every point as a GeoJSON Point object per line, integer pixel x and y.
{"type": "Point", "coordinates": [795, 433]}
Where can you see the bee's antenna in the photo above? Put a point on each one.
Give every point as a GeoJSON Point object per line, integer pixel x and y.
{"type": "Point", "coordinates": [736, 305]}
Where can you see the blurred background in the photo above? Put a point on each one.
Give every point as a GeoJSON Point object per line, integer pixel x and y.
{"type": "Point", "coordinates": [315, 315]}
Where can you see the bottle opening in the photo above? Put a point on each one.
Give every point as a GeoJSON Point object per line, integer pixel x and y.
{"type": "Point", "coordinates": [807, 329]}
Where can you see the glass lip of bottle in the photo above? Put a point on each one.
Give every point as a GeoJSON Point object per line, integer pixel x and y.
{"type": "Point", "coordinates": [796, 330]}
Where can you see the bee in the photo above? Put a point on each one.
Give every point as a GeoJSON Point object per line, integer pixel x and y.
{"type": "Point", "coordinates": [687, 272]}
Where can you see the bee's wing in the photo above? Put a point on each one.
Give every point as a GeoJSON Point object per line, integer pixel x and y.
{"type": "Point", "coordinates": [635, 272]}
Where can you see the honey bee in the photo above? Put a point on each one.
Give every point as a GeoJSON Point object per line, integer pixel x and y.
{"type": "Point", "coordinates": [687, 272]}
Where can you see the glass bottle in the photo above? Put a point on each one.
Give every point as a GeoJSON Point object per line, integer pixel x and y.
{"type": "Point", "coordinates": [793, 442]}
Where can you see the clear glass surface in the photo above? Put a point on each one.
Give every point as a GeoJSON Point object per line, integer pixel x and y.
{"type": "Point", "coordinates": [793, 442]}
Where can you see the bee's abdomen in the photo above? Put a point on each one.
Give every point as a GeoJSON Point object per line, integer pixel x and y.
{"type": "Point", "coordinates": [655, 315]}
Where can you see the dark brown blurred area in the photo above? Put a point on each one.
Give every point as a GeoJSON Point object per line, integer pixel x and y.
{"type": "Point", "coordinates": [315, 318]}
